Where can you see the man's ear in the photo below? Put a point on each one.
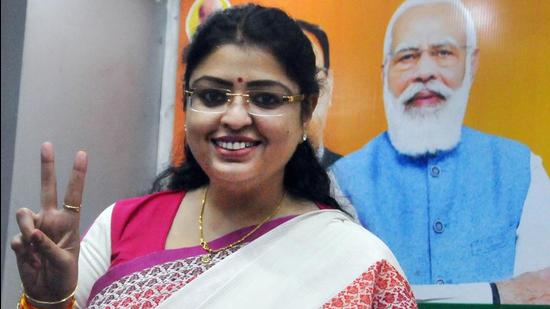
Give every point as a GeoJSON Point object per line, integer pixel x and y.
{"type": "Point", "coordinates": [475, 62]}
{"type": "Point", "coordinates": [330, 85]}
{"type": "Point", "coordinates": [310, 107]}
{"type": "Point", "coordinates": [313, 103]}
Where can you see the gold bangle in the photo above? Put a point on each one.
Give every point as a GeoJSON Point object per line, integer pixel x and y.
{"type": "Point", "coordinates": [42, 302]}
{"type": "Point", "coordinates": [24, 304]}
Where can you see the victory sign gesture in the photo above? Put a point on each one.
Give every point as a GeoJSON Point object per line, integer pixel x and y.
{"type": "Point", "coordinates": [48, 246]}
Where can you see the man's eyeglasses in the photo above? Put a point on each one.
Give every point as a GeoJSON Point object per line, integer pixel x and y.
{"type": "Point", "coordinates": [445, 55]}
{"type": "Point", "coordinates": [258, 102]}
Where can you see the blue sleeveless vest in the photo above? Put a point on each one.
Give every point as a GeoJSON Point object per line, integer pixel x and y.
{"type": "Point", "coordinates": [448, 218]}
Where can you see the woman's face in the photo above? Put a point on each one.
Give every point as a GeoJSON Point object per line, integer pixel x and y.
{"type": "Point", "coordinates": [233, 145]}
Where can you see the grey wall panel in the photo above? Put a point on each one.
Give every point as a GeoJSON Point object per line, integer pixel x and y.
{"type": "Point", "coordinates": [13, 30]}
{"type": "Point", "coordinates": [91, 79]}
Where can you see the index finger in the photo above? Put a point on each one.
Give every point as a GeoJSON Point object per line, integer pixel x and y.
{"type": "Point", "coordinates": [73, 196]}
{"type": "Point", "coordinates": [25, 221]}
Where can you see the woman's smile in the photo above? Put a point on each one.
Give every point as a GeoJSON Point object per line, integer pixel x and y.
{"type": "Point", "coordinates": [235, 147]}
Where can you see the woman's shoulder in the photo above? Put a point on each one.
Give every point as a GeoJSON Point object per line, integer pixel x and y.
{"type": "Point", "coordinates": [364, 238]}
{"type": "Point", "coordinates": [139, 225]}
{"type": "Point", "coordinates": [357, 239]}
{"type": "Point", "coordinates": [164, 195]}
{"type": "Point", "coordinates": [153, 200]}
{"type": "Point", "coordinates": [152, 207]}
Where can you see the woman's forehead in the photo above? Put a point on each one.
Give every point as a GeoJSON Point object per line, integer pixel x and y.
{"type": "Point", "coordinates": [212, 81]}
{"type": "Point", "coordinates": [243, 64]}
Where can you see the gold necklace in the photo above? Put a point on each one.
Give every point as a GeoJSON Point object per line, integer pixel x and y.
{"type": "Point", "coordinates": [204, 244]}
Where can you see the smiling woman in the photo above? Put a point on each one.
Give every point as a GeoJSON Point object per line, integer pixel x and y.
{"type": "Point", "coordinates": [246, 220]}
{"type": "Point", "coordinates": [271, 130]}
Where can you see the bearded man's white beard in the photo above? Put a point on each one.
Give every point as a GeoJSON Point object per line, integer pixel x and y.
{"type": "Point", "coordinates": [417, 131]}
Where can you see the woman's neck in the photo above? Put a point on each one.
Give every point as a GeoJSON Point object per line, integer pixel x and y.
{"type": "Point", "coordinates": [245, 203]}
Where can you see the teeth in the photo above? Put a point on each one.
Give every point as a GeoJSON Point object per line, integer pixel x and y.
{"type": "Point", "coordinates": [234, 145]}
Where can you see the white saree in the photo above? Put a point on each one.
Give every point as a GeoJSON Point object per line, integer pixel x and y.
{"type": "Point", "coordinates": [303, 263]}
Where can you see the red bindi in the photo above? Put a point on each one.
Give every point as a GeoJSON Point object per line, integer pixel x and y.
{"type": "Point", "coordinates": [240, 79]}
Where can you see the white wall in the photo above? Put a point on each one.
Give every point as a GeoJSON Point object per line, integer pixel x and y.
{"type": "Point", "coordinates": [90, 79]}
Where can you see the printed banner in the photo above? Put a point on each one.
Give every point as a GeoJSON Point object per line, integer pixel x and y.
{"type": "Point", "coordinates": [492, 66]}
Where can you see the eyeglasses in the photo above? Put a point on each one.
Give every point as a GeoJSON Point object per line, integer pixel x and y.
{"type": "Point", "coordinates": [445, 55]}
{"type": "Point", "coordinates": [259, 102]}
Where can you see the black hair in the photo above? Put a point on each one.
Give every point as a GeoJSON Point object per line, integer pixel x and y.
{"type": "Point", "coordinates": [273, 30]}
{"type": "Point", "coordinates": [321, 36]}
{"type": "Point", "coordinates": [257, 26]}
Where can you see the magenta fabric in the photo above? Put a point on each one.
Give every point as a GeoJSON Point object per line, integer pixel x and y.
{"type": "Point", "coordinates": [139, 226]}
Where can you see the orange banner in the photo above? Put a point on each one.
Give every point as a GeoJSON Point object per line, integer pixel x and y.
{"type": "Point", "coordinates": [509, 96]}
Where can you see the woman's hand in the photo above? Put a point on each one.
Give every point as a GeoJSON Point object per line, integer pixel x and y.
{"type": "Point", "coordinates": [48, 245]}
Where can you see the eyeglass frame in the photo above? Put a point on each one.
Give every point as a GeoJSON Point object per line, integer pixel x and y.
{"type": "Point", "coordinates": [287, 99]}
